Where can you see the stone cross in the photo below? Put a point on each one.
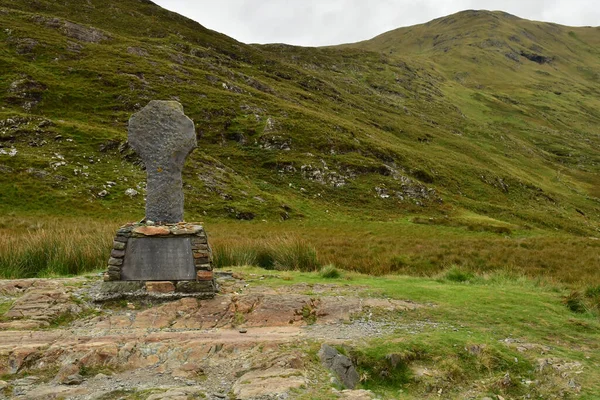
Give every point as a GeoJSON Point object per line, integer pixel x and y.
{"type": "Point", "coordinates": [163, 137]}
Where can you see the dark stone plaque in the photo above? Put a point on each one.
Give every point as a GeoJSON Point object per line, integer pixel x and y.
{"type": "Point", "coordinates": [158, 259]}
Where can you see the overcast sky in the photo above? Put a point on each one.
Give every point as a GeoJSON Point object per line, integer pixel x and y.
{"type": "Point", "coordinates": [325, 22]}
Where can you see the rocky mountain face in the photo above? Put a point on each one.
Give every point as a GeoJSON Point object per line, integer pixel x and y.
{"type": "Point", "coordinates": [478, 113]}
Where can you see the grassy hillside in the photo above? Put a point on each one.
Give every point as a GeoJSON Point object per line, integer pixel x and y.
{"type": "Point", "coordinates": [480, 124]}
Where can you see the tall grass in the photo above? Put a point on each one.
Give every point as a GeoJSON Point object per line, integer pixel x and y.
{"type": "Point", "coordinates": [54, 249]}
{"type": "Point", "coordinates": [30, 248]}
{"type": "Point", "coordinates": [382, 248]}
{"type": "Point", "coordinates": [280, 254]}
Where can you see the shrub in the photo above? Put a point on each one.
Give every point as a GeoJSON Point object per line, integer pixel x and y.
{"type": "Point", "coordinates": [398, 263]}
{"type": "Point", "coordinates": [456, 274]}
{"type": "Point", "coordinates": [265, 258]}
{"type": "Point", "coordinates": [379, 368]}
{"type": "Point", "coordinates": [575, 302]}
{"type": "Point", "coordinates": [330, 272]}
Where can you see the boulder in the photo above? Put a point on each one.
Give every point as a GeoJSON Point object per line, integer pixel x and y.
{"type": "Point", "coordinates": [339, 364]}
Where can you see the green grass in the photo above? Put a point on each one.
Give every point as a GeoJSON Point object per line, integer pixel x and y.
{"type": "Point", "coordinates": [4, 307]}
{"type": "Point", "coordinates": [467, 337]}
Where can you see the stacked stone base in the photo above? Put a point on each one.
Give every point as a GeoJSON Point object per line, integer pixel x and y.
{"type": "Point", "coordinates": [155, 290]}
{"type": "Point", "coordinates": [127, 278]}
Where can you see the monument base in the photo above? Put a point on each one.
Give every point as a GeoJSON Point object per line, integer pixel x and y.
{"type": "Point", "coordinates": [155, 290]}
{"type": "Point", "coordinates": [163, 261]}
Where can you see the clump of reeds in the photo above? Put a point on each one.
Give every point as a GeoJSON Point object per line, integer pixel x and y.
{"type": "Point", "coordinates": [330, 272]}
{"type": "Point", "coordinates": [54, 250]}
{"type": "Point", "coordinates": [280, 254]}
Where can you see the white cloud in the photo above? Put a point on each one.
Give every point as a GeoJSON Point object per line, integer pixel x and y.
{"type": "Point", "coordinates": [324, 22]}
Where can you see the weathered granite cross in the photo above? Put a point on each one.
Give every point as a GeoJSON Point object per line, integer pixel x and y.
{"type": "Point", "coordinates": [163, 137]}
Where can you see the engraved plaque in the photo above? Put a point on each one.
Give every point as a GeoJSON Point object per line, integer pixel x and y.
{"type": "Point", "coordinates": [158, 259]}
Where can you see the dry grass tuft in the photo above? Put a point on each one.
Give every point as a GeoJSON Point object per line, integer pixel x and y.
{"type": "Point", "coordinates": [53, 248]}
{"type": "Point", "coordinates": [284, 254]}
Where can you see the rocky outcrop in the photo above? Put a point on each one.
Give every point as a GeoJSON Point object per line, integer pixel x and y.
{"type": "Point", "coordinates": [243, 342]}
{"type": "Point", "coordinates": [43, 303]}
{"type": "Point", "coordinates": [26, 93]}
{"type": "Point", "coordinates": [267, 384]}
{"type": "Point", "coordinates": [87, 34]}
{"type": "Point", "coordinates": [340, 365]}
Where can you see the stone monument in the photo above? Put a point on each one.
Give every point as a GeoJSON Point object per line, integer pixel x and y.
{"type": "Point", "coordinates": [162, 253]}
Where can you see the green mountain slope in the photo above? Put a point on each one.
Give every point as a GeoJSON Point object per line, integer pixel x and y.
{"type": "Point", "coordinates": [478, 118]}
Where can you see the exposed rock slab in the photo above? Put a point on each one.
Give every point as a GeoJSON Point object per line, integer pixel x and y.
{"type": "Point", "coordinates": [173, 349]}
{"type": "Point", "coordinates": [270, 383]}
{"type": "Point", "coordinates": [41, 303]}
